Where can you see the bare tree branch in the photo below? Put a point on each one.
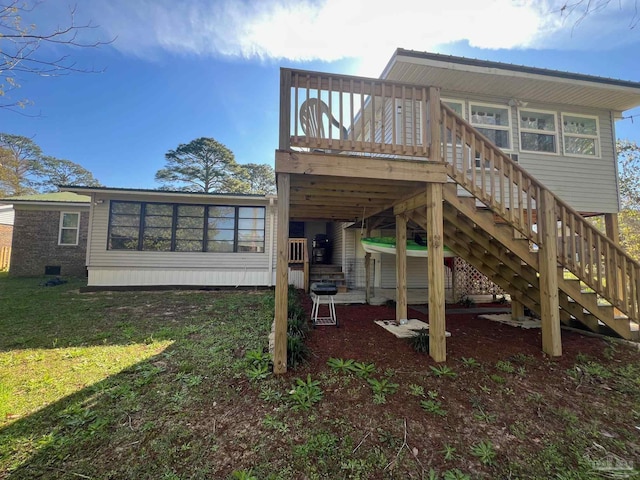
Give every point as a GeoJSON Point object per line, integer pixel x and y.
{"type": "Point", "coordinates": [21, 52]}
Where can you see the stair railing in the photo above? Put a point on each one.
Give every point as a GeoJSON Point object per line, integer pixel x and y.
{"type": "Point", "coordinates": [299, 254]}
{"type": "Point", "coordinates": [492, 177]}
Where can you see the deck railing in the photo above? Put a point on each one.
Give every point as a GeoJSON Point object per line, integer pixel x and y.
{"type": "Point", "coordinates": [500, 183]}
{"type": "Point", "coordinates": [342, 113]}
{"type": "Point", "coordinates": [299, 254]}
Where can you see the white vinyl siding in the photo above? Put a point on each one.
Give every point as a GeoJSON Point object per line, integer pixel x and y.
{"type": "Point", "coordinates": [417, 276]}
{"type": "Point", "coordinates": [134, 267]}
{"type": "Point", "coordinates": [588, 184]}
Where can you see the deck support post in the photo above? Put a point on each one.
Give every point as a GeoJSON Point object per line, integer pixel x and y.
{"type": "Point", "coordinates": [548, 261]}
{"type": "Point", "coordinates": [282, 276]}
{"type": "Point", "coordinates": [435, 268]}
{"type": "Point", "coordinates": [367, 269]}
{"type": "Point", "coordinates": [517, 309]}
{"type": "Point", "coordinates": [401, 267]}
{"type": "Point", "coordinates": [612, 227]}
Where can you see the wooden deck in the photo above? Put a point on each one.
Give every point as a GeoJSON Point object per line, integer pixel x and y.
{"type": "Point", "coordinates": [375, 148]}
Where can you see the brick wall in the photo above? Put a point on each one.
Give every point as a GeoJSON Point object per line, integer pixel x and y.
{"type": "Point", "coordinates": [6, 232]}
{"type": "Point", "coordinates": [35, 244]}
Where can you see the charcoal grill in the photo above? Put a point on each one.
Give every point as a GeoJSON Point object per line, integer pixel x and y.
{"type": "Point", "coordinates": [324, 292]}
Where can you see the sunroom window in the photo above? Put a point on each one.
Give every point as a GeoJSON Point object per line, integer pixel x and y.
{"type": "Point", "coordinates": [580, 135]}
{"type": "Point", "coordinates": [493, 121]}
{"type": "Point", "coordinates": [538, 131]}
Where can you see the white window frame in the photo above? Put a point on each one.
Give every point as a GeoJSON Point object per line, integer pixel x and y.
{"type": "Point", "coordinates": [555, 133]}
{"type": "Point", "coordinates": [61, 228]}
{"type": "Point", "coordinates": [508, 129]}
{"type": "Point", "coordinates": [459, 102]}
{"type": "Point", "coordinates": [462, 109]}
{"type": "Point", "coordinates": [595, 137]}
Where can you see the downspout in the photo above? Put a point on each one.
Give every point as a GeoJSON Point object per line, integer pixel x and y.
{"type": "Point", "coordinates": [272, 215]}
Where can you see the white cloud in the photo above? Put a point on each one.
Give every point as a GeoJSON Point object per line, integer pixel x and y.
{"type": "Point", "coordinates": [368, 30]}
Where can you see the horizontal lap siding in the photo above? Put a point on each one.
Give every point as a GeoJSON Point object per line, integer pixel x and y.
{"type": "Point", "coordinates": [417, 276]}
{"type": "Point", "coordinates": [174, 267]}
{"type": "Point", "coordinates": [587, 184]}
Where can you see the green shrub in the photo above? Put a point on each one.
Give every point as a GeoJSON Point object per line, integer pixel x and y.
{"type": "Point", "coordinates": [297, 351]}
{"type": "Point", "coordinates": [420, 342]}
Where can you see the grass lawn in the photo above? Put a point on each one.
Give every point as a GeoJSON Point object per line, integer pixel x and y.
{"type": "Point", "coordinates": [140, 385]}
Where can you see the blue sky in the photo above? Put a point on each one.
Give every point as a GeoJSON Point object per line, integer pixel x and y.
{"type": "Point", "coordinates": [179, 70]}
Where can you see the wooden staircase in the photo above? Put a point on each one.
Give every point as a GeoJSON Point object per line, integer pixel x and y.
{"type": "Point", "coordinates": [510, 219]}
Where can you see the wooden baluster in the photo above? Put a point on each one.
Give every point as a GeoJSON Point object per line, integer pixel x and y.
{"type": "Point", "coordinates": [445, 147]}
{"type": "Point", "coordinates": [472, 160]}
{"type": "Point", "coordinates": [425, 124]}
{"type": "Point", "coordinates": [352, 115]}
{"type": "Point", "coordinates": [599, 278]}
{"type": "Point", "coordinates": [572, 245]}
{"type": "Point", "coordinates": [394, 120]}
{"type": "Point", "coordinates": [529, 198]}
{"type": "Point", "coordinates": [511, 186]}
{"type": "Point", "coordinates": [383, 103]}
{"type": "Point", "coordinates": [503, 200]}
{"type": "Point", "coordinates": [483, 170]}
{"type": "Point", "coordinates": [341, 112]}
{"type": "Point", "coordinates": [492, 177]}
{"type": "Point", "coordinates": [520, 200]}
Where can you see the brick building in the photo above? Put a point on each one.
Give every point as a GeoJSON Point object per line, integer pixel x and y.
{"type": "Point", "coordinates": [49, 234]}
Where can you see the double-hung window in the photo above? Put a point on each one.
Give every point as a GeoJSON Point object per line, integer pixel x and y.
{"type": "Point", "coordinates": [493, 121]}
{"type": "Point", "coordinates": [580, 135]}
{"type": "Point", "coordinates": [69, 228]}
{"type": "Point", "coordinates": [538, 131]}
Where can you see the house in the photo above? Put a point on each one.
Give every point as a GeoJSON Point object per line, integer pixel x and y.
{"type": "Point", "coordinates": [145, 238]}
{"type": "Point", "coordinates": [486, 158]}
{"type": "Point", "coordinates": [48, 235]}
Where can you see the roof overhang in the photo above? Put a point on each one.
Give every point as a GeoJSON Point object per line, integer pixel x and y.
{"type": "Point", "coordinates": [164, 194]}
{"type": "Point", "coordinates": [460, 76]}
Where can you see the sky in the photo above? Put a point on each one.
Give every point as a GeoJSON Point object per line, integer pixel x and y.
{"type": "Point", "coordinates": [176, 70]}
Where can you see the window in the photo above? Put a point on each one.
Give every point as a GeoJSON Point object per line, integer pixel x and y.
{"type": "Point", "coordinates": [493, 121]}
{"type": "Point", "coordinates": [458, 107]}
{"type": "Point", "coordinates": [580, 135]}
{"type": "Point", "coordinates": [69, 228]}
{"type": "Point", "coordinates": [167, 227]}
{"type": "Point", "coordinates": [538, 132]}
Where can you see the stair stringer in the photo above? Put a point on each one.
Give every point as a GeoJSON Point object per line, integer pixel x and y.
{"type": "Point", "coordinates": [509, 191]}
{"type": "Point", "coordinates": [508, 261]}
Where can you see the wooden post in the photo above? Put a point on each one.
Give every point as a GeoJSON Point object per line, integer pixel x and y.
{"type": "Point", "coordinates": [282, 276]}
{"type": "Point", "coordinates": [612, 228]}
{"type": "Point", "coordinates": [613, 232]}
{"type": "Point", "coordinates": [285, 110]}
{"type": "Point", "coordinates": [367, 269]}
{"type": "Point", "coordinates": [401, 267]}
{"type": "Point", "coordinates": [517, 309]}
{"type": "Point", "coordinates": [548, 260]}
{"type": "Point", "coordinates": [435, 127]}
{"type": "Point", "coordinates": [435, 268]}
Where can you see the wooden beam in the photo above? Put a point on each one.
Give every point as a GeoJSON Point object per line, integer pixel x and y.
{"type": "Point", "coordinates": [548, 261]}
{"type": "Point", "coordinates": [362, 167]}
{"type": "Point", "coordinates": [282, 276]}
{"type": "Point", "coordinates": [401, 267]}
{"type": "Point", "coordinates": [435, 268]}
